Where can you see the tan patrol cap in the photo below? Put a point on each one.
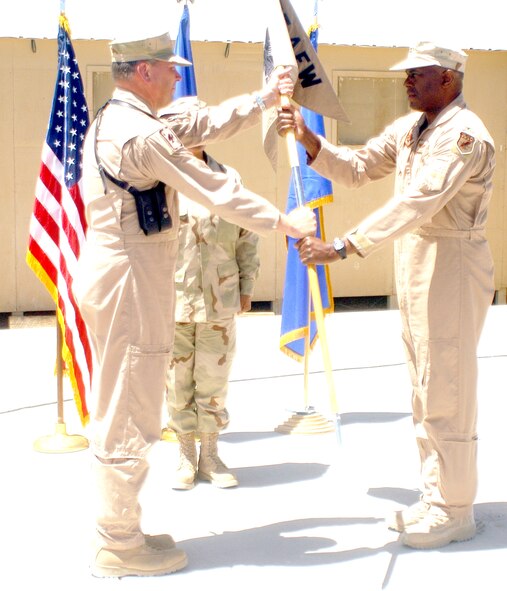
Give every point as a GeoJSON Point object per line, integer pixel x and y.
{"type": "Point", "coordinates": [154, 48]}
{"type": "Point", "coordinates": [428, 54]}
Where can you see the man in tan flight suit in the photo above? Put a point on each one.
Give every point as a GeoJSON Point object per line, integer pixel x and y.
{"type": "Point", "coordinates": [215, 274]}
{"type": "Point", "coordinates": [443, 157]}
{"type": "Point", "coordinates": [125, 285]}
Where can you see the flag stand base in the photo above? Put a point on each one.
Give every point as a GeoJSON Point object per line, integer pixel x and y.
{"type": "Point", "coordinates": [306, 422]}
{"type": "Point", "coordinates": [60, 442]}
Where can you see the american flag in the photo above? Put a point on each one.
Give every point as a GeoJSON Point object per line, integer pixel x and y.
{"type": "Point", "coordinates": [58, 225]}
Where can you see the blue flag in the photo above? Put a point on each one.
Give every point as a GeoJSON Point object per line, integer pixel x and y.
{"type": "Point", "coordinates": [187, 85]}
{"type": "Point", "coordinates": [297, 317]}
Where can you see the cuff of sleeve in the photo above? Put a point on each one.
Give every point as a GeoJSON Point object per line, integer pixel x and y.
{"type": "Point", "coordinates": [246, 287]}
{"type": "Point", "coordinates": [361, 243]}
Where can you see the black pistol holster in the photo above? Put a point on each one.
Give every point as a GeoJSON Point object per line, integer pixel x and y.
{"type": "Point", "coordinates": [151, 204]}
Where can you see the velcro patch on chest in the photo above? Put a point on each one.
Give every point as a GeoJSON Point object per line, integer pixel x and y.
{"type": "Point", "coordinates": [171, 138]}
{"type": "Point", "coordinates": [465, 143]}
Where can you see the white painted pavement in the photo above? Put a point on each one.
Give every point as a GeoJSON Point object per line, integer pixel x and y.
{"type": "Point", "coordinates": [308, 511]}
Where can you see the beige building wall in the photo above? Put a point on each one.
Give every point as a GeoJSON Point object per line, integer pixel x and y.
{"type": "Point", "coordinates": [27, 76]}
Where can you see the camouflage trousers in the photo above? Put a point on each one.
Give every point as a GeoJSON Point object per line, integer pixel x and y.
{"type": "Point", "coordinates": [197, 380]}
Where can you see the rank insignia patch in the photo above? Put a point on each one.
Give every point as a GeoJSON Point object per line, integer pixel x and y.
{"type": "Point", "coordinates": [408, 139]}
{"type": "Point", "coordinates": [465, 143]}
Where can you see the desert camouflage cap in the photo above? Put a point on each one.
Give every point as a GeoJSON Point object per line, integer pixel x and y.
{"type": "Point", "coordinates": [428, 54]}
{"type": "Point", "coordinates": [153, 48]}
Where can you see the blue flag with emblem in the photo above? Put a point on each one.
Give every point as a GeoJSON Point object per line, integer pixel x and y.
{"type": "Point", "coordinates": [187, 85]}
{"type": "Point", "coordinates": [298, 328]}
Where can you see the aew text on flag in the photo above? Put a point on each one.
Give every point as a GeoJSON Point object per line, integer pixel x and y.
{"type": "Point", "coordinates": [288, 45]}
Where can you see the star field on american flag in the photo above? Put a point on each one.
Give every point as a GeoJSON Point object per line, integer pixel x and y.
{"type": "Point", "coordinates": [69, 117]}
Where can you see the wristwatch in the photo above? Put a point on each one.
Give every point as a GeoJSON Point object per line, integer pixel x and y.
{"type": "Point", "coordinates": [340, 247]}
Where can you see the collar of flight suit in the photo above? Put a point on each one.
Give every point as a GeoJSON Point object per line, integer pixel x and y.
{"type": "Point", "coordinates": [448, 113]}
{"type": "Point", "coordinates": [129, 97]}
{"type": "Point", "coordinates": [445, 115]}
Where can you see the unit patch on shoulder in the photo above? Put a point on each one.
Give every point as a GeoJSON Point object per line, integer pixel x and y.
{"type": "Point", "coordinates": [171, 138]}
{"type": "Point", "coordinates": [465, 143]}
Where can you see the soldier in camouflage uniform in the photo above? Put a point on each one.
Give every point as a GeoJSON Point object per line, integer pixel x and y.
{"type": "Point", "coordinates": [215, 273]}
